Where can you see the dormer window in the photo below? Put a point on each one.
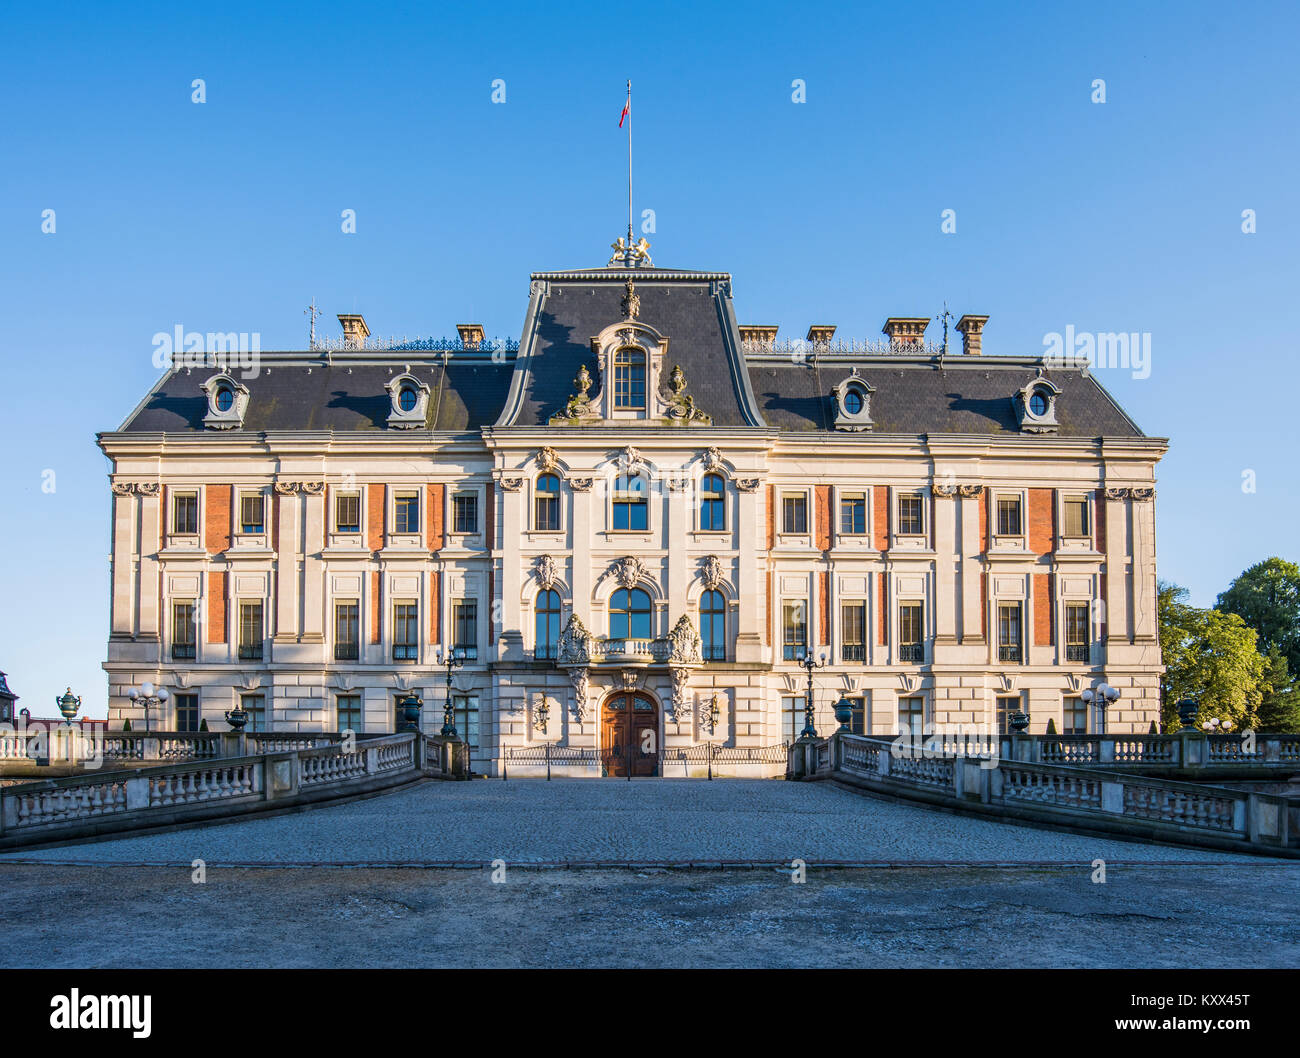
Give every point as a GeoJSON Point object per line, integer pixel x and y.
{"type": "Point", "coordinates": [227, 402]}
{"type": "Point", "coordinates": [1036, 405]}
{"type": "Point", "coordinates": [853, 404]}
{"type": "Point", "coordinates": [629, 379]}
{"type": "Point", "coordinates": [410, 399]}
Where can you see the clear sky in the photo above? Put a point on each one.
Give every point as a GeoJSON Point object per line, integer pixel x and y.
{"type": "Point", "coordinates": [225, 216]}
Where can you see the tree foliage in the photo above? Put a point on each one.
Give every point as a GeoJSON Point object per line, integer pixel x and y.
{"type": "Point", "coordinates": [1267, 598]}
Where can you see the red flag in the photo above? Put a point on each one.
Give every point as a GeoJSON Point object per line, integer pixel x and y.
{"type": "Point", "coordinates": [627, 109]}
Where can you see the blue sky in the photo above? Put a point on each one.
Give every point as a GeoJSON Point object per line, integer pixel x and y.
{"type": "Point", "coordinates": [225, 216]}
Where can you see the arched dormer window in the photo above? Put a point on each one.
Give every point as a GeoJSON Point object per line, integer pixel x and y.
{"type": "Point", "coordinates": [547, 641]}
{"type": "Point", "coordinates": [631, 507]}
{"type": "Point", "coordinates": [713, 626]}
{"type": "Point", "coordinates": [410, 402]}
{"type": "Point", "coordinates": [1036, 405]}
{"type": "Point", "coordinates": [227, 402]}
{"type": "Point", "coordinates": [629, 379]}
{"type": "Point", "coordinates": [546, 504]}
{"type": "Point", "coordinates": [713, 503]}
{"type": "Point", "coordinates": [853, 404]}
{"type": "Point", "coordinates": [629, 614]}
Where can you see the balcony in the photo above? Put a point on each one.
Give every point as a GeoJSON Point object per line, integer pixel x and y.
{"type": "Point", "coordinates": [624, 651]}
{"type": "Point", "coordinates": [911, 652]}
{"type": "Point", "coordinates": [1076, 652]}
{"type": "Point", "coordinates": [1009, 652]}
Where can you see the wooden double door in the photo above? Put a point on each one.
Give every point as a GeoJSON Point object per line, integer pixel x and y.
{"type": "Point", "coordinates": [629, 735]}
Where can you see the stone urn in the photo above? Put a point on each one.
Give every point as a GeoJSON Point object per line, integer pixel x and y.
{"type": "Point", "coordinates": [844, 713]}
{"type": "Point", "coordinates": [1019, 722]}
{"type": "Point", "coordinates": [1187, 710]}
{"type": "Point", "coordinates": [237, 718]}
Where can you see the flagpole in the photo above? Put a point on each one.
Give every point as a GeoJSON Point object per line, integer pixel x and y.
{"type": "Point", "coordinates": [629, 163]}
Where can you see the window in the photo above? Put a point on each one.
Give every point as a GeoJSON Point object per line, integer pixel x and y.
{"type": "Point", "coordinates": [1074, 719]}
{"type": "Point", "coordinates": [858, 716]}
{"type": "Point", "coordinates": [465, 714]}
{"type": "Point", "coordinates": [853, 400]}
{"type": "Point", "coordinates": [407, 397]}
{"type": "Point", "coordinates": [464, 622]}
{"type": "Point", "coordinates": [792, 717]}
{"type": "Point", "coordinates": [225, 398]}
{"type": "Point", "coordinates": [853, 631]}
{"type": "Point", "coordinates": [713, 504]}
{"type": "Point", "coordinates": [1038, 403]}
{"type": "Point", "coordinates": [911, 716]}
{"type": "Point", "coordinates": [251, 513]}
{"type": "Point", "coordinates": [347, 512]}
{"type": "Point", "coordinates": [1007, 706]}
{"type": "Point", "coordinates": [853, 513]}
{"type": "Point", "coordinates": [794, 513]}
{"type": "Point", "coordinates": [911, 516]}
{"type": "Point", "coordinates": [630, 508]}
{"type": "Point", "coordinates": [183, 639]}
{"type": "Point", "coordinates": [1076, 516]}
{"type": "Point", "coordinates": [1009, 516]}
{"type": "Point", "coordinates": [1009, 632]}
{"type": "Point", "coordinates": [629, 379]}
{"type": "Point", "coordinates": [187, 712]}
{"type": "Point", "coordinates": [406, 631]}
{"type": "Point", "coordinates": [250, 631]}
{"type": "Point", "coordinates": [713, 626]}
{"type": "Point", "coordinates": [548, 624]}
{"type": "Point", "coordinates": [1076, 632]}
{"type": "Point", "coordinates": [546, 504]}
{"type": "Point", "coordinates": [348, 707]}
{"type": "Point", "coordinates": [464, 512]}
{"type": "Point", "coordinates": [255, 706]}
{"type": "Point", "coordinates": [629, 614]}
{"type": "Point", "coordinates": [911, 633]}
{"type": "Point", "coordinates": [406, 512]}
{"type": "Point", "coordinates": [346, 630]}
{"type": "Point", "coordinates": [794, 630]}
{"type": "Point", "coordinates": [185, 513]}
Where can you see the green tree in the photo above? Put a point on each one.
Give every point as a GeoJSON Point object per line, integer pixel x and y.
{"type": "Point", "coordinates": [1209, 655]}
{"type": "Point", "coordinates": [1279, 709]}
{"type": "Point", "coordinates": [1267, 597]}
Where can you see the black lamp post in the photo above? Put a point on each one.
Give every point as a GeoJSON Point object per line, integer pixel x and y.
{"type": "Point", "coordinates": [1099, 697]}
{"type": "Point", "coordinates": [455, 659]}
{"type": "Point", "coordinates": [145, 695]}
{"type": "Point", "coordinates": [809, 662]}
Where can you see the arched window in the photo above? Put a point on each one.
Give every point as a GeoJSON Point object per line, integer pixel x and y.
{"type": "Point", "coordinates": [713, 626]}
{"type": "Point", "coordinates": [630, 502]}
{"type": "Point", "coordinates": [713, 503]}
{"type": "Point", "coordinates": [629, 614]}
{"type": "Point", "coordinates": [548, 624]}
{"type": "Point", "coordinates": [546, 504]}
{"type": "Point", "coordinates": [629, 378]}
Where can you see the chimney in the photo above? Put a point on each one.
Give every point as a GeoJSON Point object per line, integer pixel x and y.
{"type": "Point", "coordinates": [972, 333]}
{"type": "Point", "coordinates": [471, 334]}
{"type": "Point", "coordinates": [355, 331]}
{"type": "Point", "coordinates": [821, 332]}
{"type": "Point", "coordinates": [761, 333]}
{"type": "Point", "coordinates": [906, 330]}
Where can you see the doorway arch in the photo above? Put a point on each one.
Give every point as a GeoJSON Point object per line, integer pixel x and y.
{"type": "Point", "coordinates": [629, 735]}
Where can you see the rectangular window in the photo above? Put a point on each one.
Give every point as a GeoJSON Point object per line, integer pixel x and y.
{"type": "Point", "coordinates": [465, 712]}
{"type": "Point", "coordinates": [1076, 516]}
{"type": "Point", "coordinates": [911, 516]}
{"type": "Point", "coordinates": [187, 712]}
{"type": "Point", "coordinates": [794, 513]}
{"type": "Point", "coordinates": [464, 512]}
{"type": "Point", "coordinates": [1076, 632]}
{"type": "Point", "coordinates": [347, 512]}
{"type": "Point", "coordinates": [406, 512]}
{"type": "Point", "coordinates": [250, 631]}
{"type": "Point", "coordinates": [406, 631]}
{"type": "Point", "coordinates": [251, 512]}
{"type": "Point", "coordinates": [629, 379]}
{"type": "Point", "coordinates": [464, 617]}
{"type": "Point", "coordinates": [853, 513]}
{"type": "Point", "coordinates": [792, 717]}
{"type": "Point", "coordinates": [858, 716]}
{"type": "Point", "coordinates": [794, 630]}
{"type": "Point", "coordinates": [1006, 706]}
{"type": "Point", "coordinates": [349, 712]}
{"type": "Point", "coordinates": [1009, 523]}
{"type": "Point", "coordinates": [630, 509]}
{"type": "Point", "coordinates": [911, 716]}
{"type": "Point", "coordinates": [546, 516]}
{"type": "Point", "coordinates": [185, 513]}
{"type": "Point", "coordinates": [183, 638]}
{"type": "Point", "coordinates": [255, 706]}
{"type": "Point", "coordinates": [911, 633]}
{"type": "Point", "coordinates": [1074, 719]}
{"type": "Point", "coordinates": [1009, 640]}
{"type": "Point", "coordinates": [853, 631]}
{"type": "Point", "coordinates": [347, 641]}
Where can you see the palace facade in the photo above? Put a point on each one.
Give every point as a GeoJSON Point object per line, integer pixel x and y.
{"type": "Point", "coordinates": [630, 525]}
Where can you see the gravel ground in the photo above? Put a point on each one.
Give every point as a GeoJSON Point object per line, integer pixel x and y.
{"type": "Point", "coordinates": [62, 916]}
{"type": "Point", "coordinates": [580, 822]}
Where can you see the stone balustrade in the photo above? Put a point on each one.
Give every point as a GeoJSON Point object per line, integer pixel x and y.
{"type": "Point", "coordinates": [1182, 751]}
{"type": "Point", "coordinates": [1117, 802]}
{"type": "Point", "coordinates": [106, 802]}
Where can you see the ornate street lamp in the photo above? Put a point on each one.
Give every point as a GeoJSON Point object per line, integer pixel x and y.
{"type": "Point", "coordinates": [1101, 696]}
{"type": "Point", "coordinates": [542, 714]}
{"type": "Point", "coordinates": [806, 659]}
{"type": "Point", "coordinates": [455, 659]}
{"type": "Point", "coordinates": [68, 705]}
{"type": "Point", "coordinates": [144, 696]}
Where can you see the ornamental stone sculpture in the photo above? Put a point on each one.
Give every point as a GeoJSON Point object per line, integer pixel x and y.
{"type": "Point", "coordinates": [685, 643]}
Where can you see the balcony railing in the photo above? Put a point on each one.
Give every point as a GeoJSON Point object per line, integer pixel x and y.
{"type": "Point", "coordinates": [1009, 652]}
{"type": "Point", "coordinates": [250, 651]}
{"type": "Point", "coordinates": [1076, 652]}
{"type": "Point", "coordinates": [183, 651]}
{"type": "Point", "coordinates": [645, 649]}
{"type": "Point", "coordinates": [345, 651]}
{"type": "Point", "coordinates": [911, 652]}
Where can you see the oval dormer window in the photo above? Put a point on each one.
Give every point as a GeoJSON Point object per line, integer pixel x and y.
{"type": "Point", "coordinates": [853, 401]}
{"type": "Point", "coordinates": [225, 398]}
{"type": "Point", "coordinates": [1039, 403]}
{"type": "Point", "coordinates": [407, 398]}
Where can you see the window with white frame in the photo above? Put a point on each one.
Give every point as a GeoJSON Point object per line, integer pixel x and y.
{"type": "Point", "coordinates": [546, 504]}
{"type": "Point", "coordinates": [631, 510]}
{"type": "Point", "coordinates": [1075, 521]}
{"type": "Point", "coordinates": [911, 514]}
{"type": "Point", "coordinates": [794, 629]}
{"type": "Point", "coordinates": [792, 716]}
{"type": "Point", "coordinates": [1077, 637]}
{"type": "Point", "coordinates": [348, 712]}
{"type": "Point", "coordinates": [713, 504]}
{"type": "Point", "coordinates": [911, 715]}
{"type": "Point", "coordinates": [853, 513]}
{"type": "Point", "coordinates": [794, 512]}
{"type": "Point", "coordinates": [1010, 520]}
{"type": "Point", "coordinates": [185, 513]}
{"type": "Point", "coordinates": [464, 626]}
{"type": "Point", "coordinates": [1010, 640]}
{"type": "Point", "coordinates": [252, 512]}
{"type": "Point", "coordinates": [406, 630]}
{"type": "Point", "coordinates": [1074, 716]}
{"type": "Point", "coordinates": [184, 633]}
{"type": "Point", "coordinates": [853, 631]}
{"type": "Point", "coordinates": [911, 632]}
{"type": "Point", "coordinates": [1006, 706]}
{"type": "Point", "coordinates": [406, 512]}
{"type": "Point", "coordinates": [347, 631]}
{"type": "Point", "coordinates": [347, 512]}
{"type": "Point", "coordinates": [251, 632]}
{"type": "Point", "coordinates": [255, 706]}
{"type": "Point", "coordinates": [464, 513]}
